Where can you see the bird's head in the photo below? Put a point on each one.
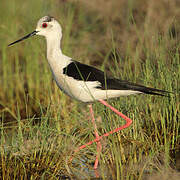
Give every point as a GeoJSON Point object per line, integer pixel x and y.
{"type": "Point", "coordinates": [47, 26]}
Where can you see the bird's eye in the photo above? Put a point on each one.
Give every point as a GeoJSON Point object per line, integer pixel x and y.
{"type": "Point", "coordinates": [44, 25]}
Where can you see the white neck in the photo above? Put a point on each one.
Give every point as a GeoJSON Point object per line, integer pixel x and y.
{"type": "Point", "coordinates": [53, 46]}
{"type": "Point", "coordinates": [56, 58]}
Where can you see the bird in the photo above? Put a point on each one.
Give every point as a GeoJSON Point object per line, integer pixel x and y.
{"type": "Point", "coordinates": [83, 82]}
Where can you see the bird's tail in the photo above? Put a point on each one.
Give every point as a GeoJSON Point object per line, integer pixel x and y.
{"type": "Point", "coordinates": [153, 91]}
{"type": "Point", "coordinates": [148, 90]}
{"type": "Point", "coordinates": [144, 89]}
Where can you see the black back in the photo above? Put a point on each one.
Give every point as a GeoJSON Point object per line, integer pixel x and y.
{"type": "Point", "coordinates": [83, 72]}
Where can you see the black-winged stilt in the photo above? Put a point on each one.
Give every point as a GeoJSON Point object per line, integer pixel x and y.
{"type": "Point", "coordinates": [83, 82]}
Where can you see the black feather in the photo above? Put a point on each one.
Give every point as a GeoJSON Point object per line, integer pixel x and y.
{"type": "Point", "coordinates": [85, 72]}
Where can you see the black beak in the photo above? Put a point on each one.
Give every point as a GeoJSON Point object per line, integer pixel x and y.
{"type": "Point", "coordinates": [25, 37]}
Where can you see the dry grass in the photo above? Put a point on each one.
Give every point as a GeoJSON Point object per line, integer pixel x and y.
{"type": "Point", "coordinates": [40, 126]}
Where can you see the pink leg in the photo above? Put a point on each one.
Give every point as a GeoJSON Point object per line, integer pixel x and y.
{"type": "Point", "coordinates": [99, 146]}
{"type": "Point", "coordinates": [128, 120]}
{"type": "Point", "coordinates": [98, 138]}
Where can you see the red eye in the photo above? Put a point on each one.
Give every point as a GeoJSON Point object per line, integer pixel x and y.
{"type": "Point", "coordinates": [44, 25]}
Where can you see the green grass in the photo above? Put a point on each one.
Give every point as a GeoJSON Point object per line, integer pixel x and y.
{"type": "Point", "coordinates": [41, 127]}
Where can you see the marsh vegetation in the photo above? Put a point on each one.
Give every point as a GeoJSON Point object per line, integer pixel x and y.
{"type": "Point", "coordinates": [40, 126]}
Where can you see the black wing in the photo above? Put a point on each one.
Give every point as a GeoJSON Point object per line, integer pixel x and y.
{"type": "Point", "coordinates": [85, 72]}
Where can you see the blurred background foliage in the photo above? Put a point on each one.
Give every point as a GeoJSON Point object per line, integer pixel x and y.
{"type": "Point", "coordinates": [136, 40]}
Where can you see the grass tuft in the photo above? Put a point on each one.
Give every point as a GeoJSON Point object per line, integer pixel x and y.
{"type": "Point", "coordinates": [41, 127]}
